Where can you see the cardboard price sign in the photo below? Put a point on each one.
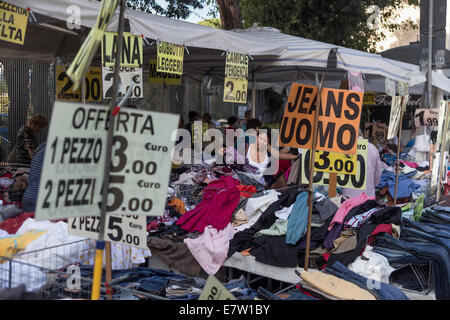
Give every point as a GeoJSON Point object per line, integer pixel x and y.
{"type": "Point", "coordinates": [132, 50]}
{"type": "Point", "coordinates": [214, 290]}
{"type": "Point", "coordinates": [13, 23]}
{"type": "Point", "coordinates": [338, 123]}
{"type": "Point", "coordinates": [72, 175]}
{"type": "Point", "coordinates": [156, 77]}
{"type": "Point", "coordinates": [169, 58]}
{"type": "Point", "coordinates": [375, 130]}
{"type": "Point", "coordinates": [236, 65]}
{"type": "Point", "coordinates": [426, 117]}
{"type": "Point", "coordinates": [125, 229]}
{"type": "Point", "coordinates": [127, 77]}
{"type": "Point", "coordinates": [235, 90]}
{"type": "Point", "coordinates": [357, 181]}
{"type": "Point", "coordinates": [335, 162]}
{"type": "Point", "coordinates": [65, 87]}
{"type": "Point", "coordinates": [397, 108]}
{"type": "Point", "coordinates": [369, 98]}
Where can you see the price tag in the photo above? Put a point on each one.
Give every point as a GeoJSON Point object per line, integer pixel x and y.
{"type": "Point", "coordinates": [369, 98]}
{"type": "Point", "coordinates": [235, 90]}
{"type": "Point", "coordinates": [375, 130]}
{"type": "Point", "coordinates": [72, 175]}
{"type": "Point", "coordinates": [426, 117]}
{"type": "Point", "coordinates": [65, 87]}
{"type": "Point", "coordinates": [127, 77]}
{"type": "Point", "coordinates": [357, 181]}
{"type": "Point", "coordinates": [214, 290]}
{"type": "Point", "coordinates": [335, 162]}
{"type": "Point", "coordinates": [126, 229]}
{"type": "Point", "coordinates": [170, 58]}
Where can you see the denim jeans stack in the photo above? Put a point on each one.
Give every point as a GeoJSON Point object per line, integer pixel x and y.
{"type": "Point", "coordinates": [422, 242]}
{"type": "Point", "coordinates": [156, 282]}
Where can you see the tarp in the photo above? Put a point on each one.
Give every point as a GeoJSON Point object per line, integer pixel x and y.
{"type": "Point", "coordinates": [277, 59]}
{"type": "Point", "coordinates": [156, 27]}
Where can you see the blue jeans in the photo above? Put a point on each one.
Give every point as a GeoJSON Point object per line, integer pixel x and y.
{"type": "Point", "coordinates": [29, 205]}
{"type": "Point", "coordinates": [383, 291]}
{"type": "Point", "coordinates": [425, 251]}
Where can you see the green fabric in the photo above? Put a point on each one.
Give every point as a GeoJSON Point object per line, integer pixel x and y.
{"type": "Point", "coordinates": [279, 228]}
{"type": "Point", "coordinates": [418, 208]}
{"type": "Point", "coordinates": [407, 207]}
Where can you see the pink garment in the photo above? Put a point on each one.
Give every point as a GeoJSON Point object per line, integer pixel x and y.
{"type": "Point", "coordinates": [410, 164]}
{"type": "Point", "coordinates": [211, 247]}
{"type": "Point", "coordinates": [346, 206]}
{"type": "Point", "coordinates": [220, 199]}
{"type": "Point", "coordinates": [373, 174]}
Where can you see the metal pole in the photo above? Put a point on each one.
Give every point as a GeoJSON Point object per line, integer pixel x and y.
{"type": "Point", "coordinates": [430, 53]}
{"type": "Point", "coordinates": [112, 104]}
{"type": "Point", "coordinates": [397, 168]}
{"type": "Point", "coordinates": [253, 95]}
{"type": "Point", "coordinates": [311, 176]}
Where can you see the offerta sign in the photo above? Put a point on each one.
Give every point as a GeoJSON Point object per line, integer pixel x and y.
{"type": "Point", "coordinates": [13, 23]}
{"type": "Point", "coordinates": [338, 121]}
{"type": "Point", "coordinates": [72, 175]}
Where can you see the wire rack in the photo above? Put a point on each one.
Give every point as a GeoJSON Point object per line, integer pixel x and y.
{"type": "Point", "coordinates": [58, 272]}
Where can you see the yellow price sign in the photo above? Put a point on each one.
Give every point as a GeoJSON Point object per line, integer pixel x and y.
{"type": "Point", "coordinates": [170, 58]}
{"type": "Point", "coordinates": [13, 23]}
{"type": "Point", "coordinates": [369, 98]}
{"type": "Point", "coordinates": [66, 91]}
{"type": "Point", "coordinates": [132, 50]}
{"type": "Point", "coordinates": [356, 181]}
{"type": "Point", "coordinates": [156, 77]}
{"type": "Point", "coordinates": [235, 90]}
{"type": "Point", "coordinates": [335, 162]}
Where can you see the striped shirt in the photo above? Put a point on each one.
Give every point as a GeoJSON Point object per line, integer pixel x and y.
{"type": "Point", "coordinates": [34, 179]}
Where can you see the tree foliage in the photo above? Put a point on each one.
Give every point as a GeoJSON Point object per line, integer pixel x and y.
{"type": "Point", "coordinates": [179, 9]}
{"type": "Point", "coordinates": [340, 22]}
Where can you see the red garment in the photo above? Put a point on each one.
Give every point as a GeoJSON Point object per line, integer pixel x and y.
{"type": "Point", "coordinates": [387, 228]}
{"type": "Point", "coordinates": [220, 199]}
{"type": "Point", "coordinates": [13, 224]}
{"type": "Point", "coordinates": [283, 165]}
{"type": "Point", "coordinates": [247, 191]}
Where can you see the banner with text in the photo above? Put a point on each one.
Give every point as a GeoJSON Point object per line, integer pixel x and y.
{"type": "Point", "coordinates": [236, 78]}
{"type": "Point", "coordinates": [132, 50]}
{"type": "Point", "coordinates": [338, 123]}
{"type": "Point", "coordinates": [426, 118]}
{"type": "Point", "coordinates": [72, 175]}
{"type": "Point", "coordinates": [375, 130]}
{"type": "Point", "coordinates": [169, 58]}
{"type": "Point", "coordinates": [13, 23]}
{"type": "Point", "coordinates": [156, 77]}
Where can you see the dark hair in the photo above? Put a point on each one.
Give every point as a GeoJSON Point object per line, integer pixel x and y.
{"type": "Point", "coordinates": [192, 115]}
{"type": "Point", "coordinates": [248, 112]}
{"type": "Point", "coordinates": [207, 118]}
{"type": "Point", "coordinates": [253, 124]}
{"type": "Point", "coordinates": [232, 120]}
{"type": "Point", "coordinates": [39, 120]}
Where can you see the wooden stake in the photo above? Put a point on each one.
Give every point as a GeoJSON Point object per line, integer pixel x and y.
{"type": "Point", "coordinates": [397, 167]}
{"type": "Point", "coordinates": [332, 185]}
{"type": "Point", "coordinates": [311, 175]}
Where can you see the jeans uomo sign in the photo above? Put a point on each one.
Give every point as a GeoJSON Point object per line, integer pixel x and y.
{"type": "Point", "coordinates": [338, 121]}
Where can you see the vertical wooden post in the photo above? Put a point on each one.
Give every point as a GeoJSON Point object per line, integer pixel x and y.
{"type": "Point", "coordinates": [311, 175]}
{"type": "Point", "coordinates": [397, 167]}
